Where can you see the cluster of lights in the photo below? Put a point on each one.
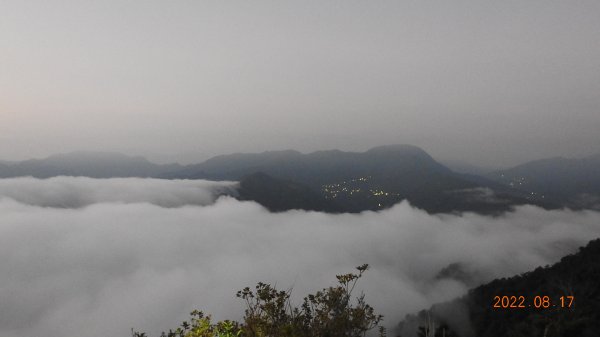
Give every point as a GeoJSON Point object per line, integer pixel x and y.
{"type": "Point", "coordinates": [350, 187]}
{"type": "Point", "coordinates": [333, 190]}
{"type": "Point", "coordinates": [519, 181]}
{"type": "Point", "coordinates": [381, 193]}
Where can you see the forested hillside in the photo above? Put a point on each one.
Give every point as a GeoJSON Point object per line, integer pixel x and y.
{"type": "Point", "coordinates": [559, 300]}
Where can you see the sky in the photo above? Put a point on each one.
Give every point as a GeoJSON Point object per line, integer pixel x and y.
{"type": "Point", "coordinates": [143, 253]}
{"type": "Point", "coordinates": [488, 83]}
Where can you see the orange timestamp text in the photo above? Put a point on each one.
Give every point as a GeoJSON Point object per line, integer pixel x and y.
{"type": "Point", "coordinates": [537, 302]}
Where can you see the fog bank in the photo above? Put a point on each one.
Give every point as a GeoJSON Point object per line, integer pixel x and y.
{"type": "Point", "coordinates": [129, 259]}
{"type": "Point", "coordinates": [76, 192]}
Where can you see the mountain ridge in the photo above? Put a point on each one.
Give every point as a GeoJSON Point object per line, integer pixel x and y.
{"type": "Point", "coordinates": [85, 163]}
{"type": "Point", "coordinates": [355, 181]}
{"type": "Point", "coordinates": [572, 182]}
{"type": "Point", "coordinates": [375, 179]}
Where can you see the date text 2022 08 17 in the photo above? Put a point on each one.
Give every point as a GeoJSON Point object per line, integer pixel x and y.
{"type": "Point", "coordinates": [536, 302]}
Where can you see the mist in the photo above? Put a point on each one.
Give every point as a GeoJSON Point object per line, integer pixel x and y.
{"type": "Point", "coordinates": [76, 192]}
{"type": "Point", "coordinates": [142, 253]}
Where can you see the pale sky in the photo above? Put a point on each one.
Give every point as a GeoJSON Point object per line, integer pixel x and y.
{"type": "Point", "coordinates": [492, 83]}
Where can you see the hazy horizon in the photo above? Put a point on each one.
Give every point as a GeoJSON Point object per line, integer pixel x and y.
{"type": "Point", "coordinates": [490, 84]}
{"type": "Point", "coordinates": [197, 158]}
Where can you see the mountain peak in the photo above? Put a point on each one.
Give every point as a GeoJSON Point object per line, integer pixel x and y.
{"type": "Point", "coordinates": [399, 148]}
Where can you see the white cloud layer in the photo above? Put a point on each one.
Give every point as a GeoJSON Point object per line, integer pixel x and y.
{"type": "Point", "coordinates": [129, 259]}
{"type": "Point", "coordinates": [76, 192]}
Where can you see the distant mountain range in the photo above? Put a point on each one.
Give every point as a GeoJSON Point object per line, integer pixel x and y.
{"type": "Point", "coordinates": [574, 183]}
{"type": "Point", "coordinates": [371, 180]}
{"type": "Point", "coordinates": [474, 314]}
{"type": "Point", "coordinates": [337, 181]}
{"type": "Point", "coordinates": [87, 164]}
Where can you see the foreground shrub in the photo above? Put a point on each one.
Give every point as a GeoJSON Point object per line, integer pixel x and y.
{"type": "Point", "coordinates": [331, 312]}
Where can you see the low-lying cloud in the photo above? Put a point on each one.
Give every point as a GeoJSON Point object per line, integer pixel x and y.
{"type": "Point", "coordinates": [129, 259]}
{"type": "Point", "coordinates": [76, 192]}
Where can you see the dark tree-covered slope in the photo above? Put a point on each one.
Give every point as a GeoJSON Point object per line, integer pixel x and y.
{"type": "Point", "coordinates": [576, 275]}
{"type": "Point", "coordinates": [280, 195]}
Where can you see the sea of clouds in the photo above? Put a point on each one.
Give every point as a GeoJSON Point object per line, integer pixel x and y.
{"type": "Point", "coordinates": [97, 257]}
{"type": "Point", "coordinates": [77, 192]}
